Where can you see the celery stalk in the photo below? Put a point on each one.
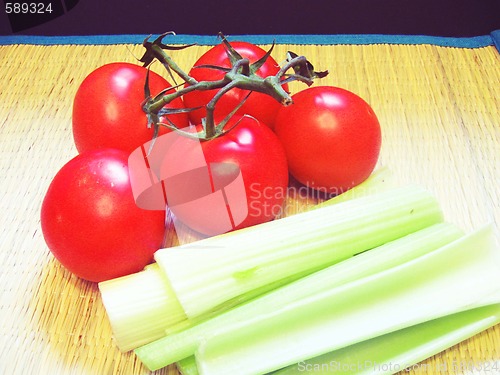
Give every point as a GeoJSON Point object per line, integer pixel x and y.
{"type": "Point", "coordinates": [397, 351]}
{"type": "Point", "coordinates": [177, 346]}
{"type": "Point", "coordinates": [211, 272]}
{"type": "Point", "coordinates": [139, 307]}
{"type": "Point", "coordinates": [394, 352]}
{"type": "Point", "coordinates": [457, 277]}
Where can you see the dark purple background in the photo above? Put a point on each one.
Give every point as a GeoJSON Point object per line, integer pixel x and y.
{"type": "Point", "coordinates": [422, 17]}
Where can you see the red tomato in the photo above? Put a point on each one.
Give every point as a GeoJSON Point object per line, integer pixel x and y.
{"type": "Point", "coordinates": [248, 163]}
{"type": "Point", "coordinates": [331, 136]}
{"type": "Point", "coordinates": [261, 106]}
{"type": "Point", "coordinates": [107, 109]}
{"type": "Point", "coordinates": [91, 223]}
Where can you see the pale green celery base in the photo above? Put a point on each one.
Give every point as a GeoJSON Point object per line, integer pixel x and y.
{"type": "Point", "coordinates": [183, 344]}
{"type": "Point", "coordinates": [434, 285]}
{"type": "Point", "coordinates": [139, 307]}
{"type": "Point", "coordinates": [401, 350]}
{"type": "Point", "coordinates": [211, 272]}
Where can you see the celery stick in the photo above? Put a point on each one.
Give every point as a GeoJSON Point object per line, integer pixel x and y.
{"type": "Point", "coordinates": [183, 344]}
{"type": "Point", "coordinates": [213, 271]}
{"type": "Point", "coordinates": [397, 351]}
{"type": "Point", "coordinates": [457, 277]}
{"type": "Point", "coordinates": [139, 307]}
{"type": "Point", "coordinates": [401, 350]}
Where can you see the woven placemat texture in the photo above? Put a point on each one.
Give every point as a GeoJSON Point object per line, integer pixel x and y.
{"type": "Point", "coordinates": [439, 108]}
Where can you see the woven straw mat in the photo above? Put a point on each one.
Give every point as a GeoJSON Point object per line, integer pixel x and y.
{"type": "Point", "coordinates": [439, 108]}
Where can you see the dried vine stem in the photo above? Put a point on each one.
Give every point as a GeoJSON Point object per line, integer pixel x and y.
{"type": "Point", "coordinates": [241, 75]}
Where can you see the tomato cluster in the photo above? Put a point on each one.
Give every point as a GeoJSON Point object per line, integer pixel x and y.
{"type": "Point", "coordinates": [328, 139]}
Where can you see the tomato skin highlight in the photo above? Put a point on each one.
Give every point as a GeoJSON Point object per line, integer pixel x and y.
{"type": "Point", "coordinates": [107, 109]}
{"type": "Point", "coordinates": [259, 155]}
{"type": "Point", "coordinates": [91, 223]}
{"type": "Point", "coordinates": [331, 136]}
{"type": "Point", "coordinates": [261, 106]}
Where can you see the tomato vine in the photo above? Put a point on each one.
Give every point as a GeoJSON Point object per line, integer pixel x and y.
{"type": "Point", "coordinates": [241, 75]}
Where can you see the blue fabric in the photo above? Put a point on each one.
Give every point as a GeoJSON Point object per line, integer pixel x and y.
{"type": "Point", "coordinates": [467, 42]}
{"type": "Point", "coordinates": [495, 36]}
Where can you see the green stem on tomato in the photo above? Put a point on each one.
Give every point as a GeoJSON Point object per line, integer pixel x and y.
{"type": "Point", "coordinates": [240, 76]}
{"type": "Point", "coordinates": [164, 58]}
